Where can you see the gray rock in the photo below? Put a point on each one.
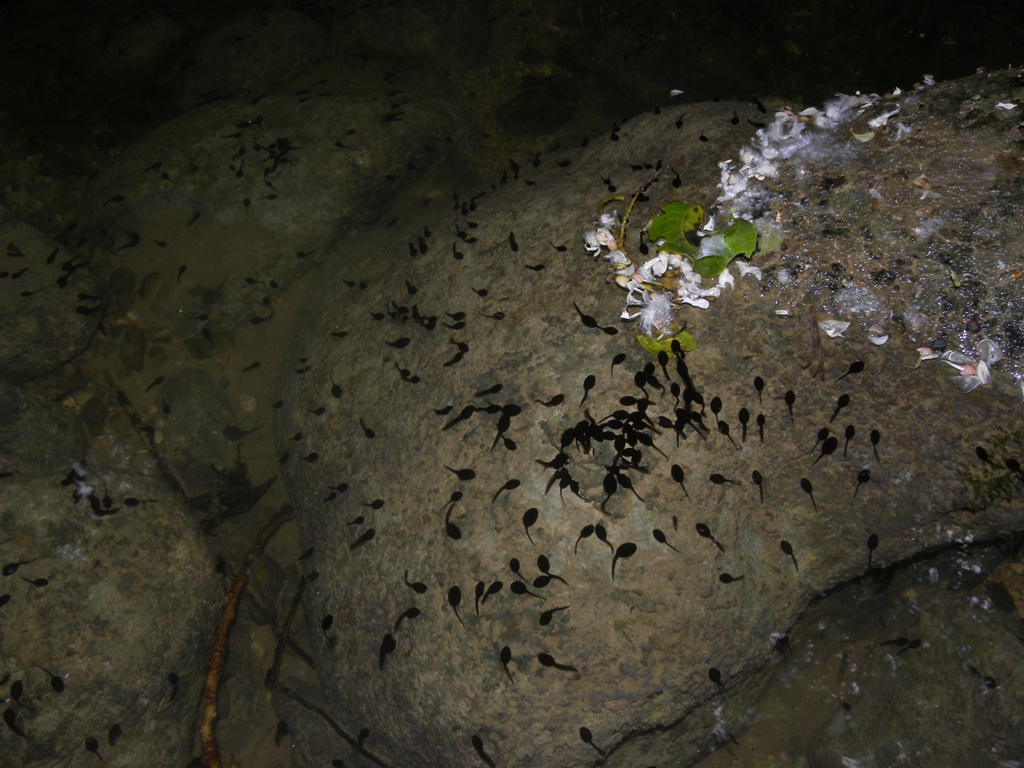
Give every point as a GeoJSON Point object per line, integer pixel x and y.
{"type": "Point", "coordinates": [650, 636]}
{"type": "Point", "coordinates": [199, 413]}
{"type": "Point", "coordinates": [250, 54]}
{"type": "Point", "coordinates": [51, 302]}
{"type": "Point", "coordinates": [126, 600]}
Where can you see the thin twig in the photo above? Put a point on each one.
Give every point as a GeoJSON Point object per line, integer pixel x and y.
{"type": "Point", "coordinates": [211, 755]}
{"type": "Point", "coordinates": [145, 434]}
{"type": "Point", "coordinates": [274, 673]}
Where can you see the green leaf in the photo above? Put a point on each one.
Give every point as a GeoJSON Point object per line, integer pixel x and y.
{"type": "Point", "coordinates": [741, 237]}
{"type": "Point", "coordinates": [717, 250]}
{"type": "Point", "coordinates": [673, 224]}
{"type": "Point", "coordinates": [654, 346]}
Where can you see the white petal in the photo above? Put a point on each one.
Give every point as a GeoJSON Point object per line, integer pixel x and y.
{"type": "Point", "coordinates": [984, 374]}
{"type": "Point", "coordinates": [967, 383]}
{"type": "Point", "coordinates": [745, 268]}
{"type": "Point", "coordinates": [956, 359]}
{"type": "Point", "coordinates": [833, 328]}
{"type": "Point", "coordinates": [878, 340]}
{"type": "Point", "coordinates": [702, 303]}
{"type": "Point", "coordinates": [989, 351]}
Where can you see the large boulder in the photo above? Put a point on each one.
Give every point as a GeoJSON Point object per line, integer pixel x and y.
{"type": "Point", "coordinates": [108, 600]}
{"type": "Point", "coordinates": [470, 404]}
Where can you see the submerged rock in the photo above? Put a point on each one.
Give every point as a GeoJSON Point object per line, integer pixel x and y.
{"type": "Point", "coordinates": [51, 302]}
{"type": "Point", "coordinates": [592, 539]}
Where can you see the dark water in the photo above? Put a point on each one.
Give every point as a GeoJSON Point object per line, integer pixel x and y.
{"type": "Point", "coordinates": [544, 65]}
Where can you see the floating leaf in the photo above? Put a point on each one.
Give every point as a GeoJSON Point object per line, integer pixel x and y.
{"type": "Point", "coordinates": [654, 346]}
{"type": "Point", "coordinates": [717, 250]}
{"type": "Point", "coordinates": [673, 224]}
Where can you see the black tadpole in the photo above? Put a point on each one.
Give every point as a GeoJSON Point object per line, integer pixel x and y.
{"type": "Point", "coordinates": [520, 588]}
{"type": "Point", "coordinates": [409, 613]}
{"type": "Point", "coordinates": [453, 530]}
{"type": "Point", "coordinates": [984, 457]}
{"type": "Point", "coordinates": [588, 384]}
{"type": "Point", "coordinates": [659, 536]}
{"type": "Point", "coordinates": [478, 592]}
{"type": "Point", "coordinates": [585, 532]}
{"type": "Point", "coordinates": [744, 418]}
{"type": "Point", "coordinates": [547, 660]}
{"type": "Point", "coordinates": [602, 535]}
{"type": "Point", "coordinates": [11, 719]}
{"type": "Point", "coordinates": [855, 367]}
{"type": "Point", "coordinates": [587, 320]}
{"type": "Point", "coordinates": [704, 531]}
{"type": "Point", "coordinates": [509, 485]}
{"type": "Point", "coordinates": [588, 738]}
{"type": "Point", "coordinates": [728, 578]}
{"type": "Point", "coordinates": [790, 398]}
{"type": "Point", "coordinates": [529, 518]}
{"type": "Point", "coordinates": [624, 550]}
{"type": "Point", "coordinates": [759, 386]}
{"type": "Point", "coordinates": [911, 645]}
{"type": "Point", "coordinates": [416, 586]}
{"type": "Point", "coordinates": [715, 676]}
{"type": "Point", "coordinates": [805, 484]}
{"type": "Point", "coordinates": [718, 479]}
{"type": "Point", "coordinates": [91, 744]}
{"type": "Point", "coordinates": [872, 546]}
{"type": "Point", "coordinates": [828, 447]}
{"type": "Point", "coordinates": [841, 402]}
{"type": "Point", "coordinates": [876, 437]}
{"type": "Point", "coordinates": [760, 426]}
{"type": "Point", "coordinates": [758, 479]}
{"type": "Point", "coordinates": [454, 598]}
{"type": "Point", "coordinates": [848, 434]}
{"type": "Point", "coordinates": [787, 549]}
{"type": "Point", "coordinates": [610, 485]}
{"type": "Point", "coordinates": [368, 535]}
{"type": "Point", "coordinates": [822, 434]}
{"type": "Point", "coordinates": [544, 566]}
{"type": "Point", "coordinates": [463, 474]}
{"type": "Point", "coordinates": [506, 656]}
{"type": "Point", "coordinates": [678, 475]}
{"type": "Point", "coordinates": [546, 616]}
{"type": "Point", "coordinates": [478, 743]}
{"type": "Point", "coordinates": [862, 477]}
{"type": "Point", "coordinates": [723, 427]}
{"type": "Point", "coordinates": [494, 589]}
{"type": "Point", "coordinates": [56, 681]}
